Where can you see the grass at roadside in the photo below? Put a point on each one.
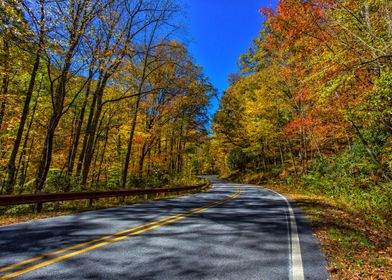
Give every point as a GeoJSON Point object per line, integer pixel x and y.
{"type": "Point", "coordinates": [24, 213]}
{"type": "Point", "coordinates": [356, 246]}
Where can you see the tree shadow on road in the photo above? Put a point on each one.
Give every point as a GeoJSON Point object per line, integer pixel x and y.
{"type": "Point", "coordinates": [235, 240]}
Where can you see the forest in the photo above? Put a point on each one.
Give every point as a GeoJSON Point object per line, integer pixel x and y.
{"type": "Point", "coordinates": [100, 95]}
{"type": "Point", "coordinates": [97, 95]}
{"type": "Point", "coordinates": [311, 104]}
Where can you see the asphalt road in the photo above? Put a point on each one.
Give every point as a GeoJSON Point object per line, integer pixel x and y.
{"type": "Point", "coordinates": [231, 231]}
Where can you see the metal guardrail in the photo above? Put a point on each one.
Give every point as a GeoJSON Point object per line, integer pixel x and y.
{"type": "Point", "coordinates": [7, 200]}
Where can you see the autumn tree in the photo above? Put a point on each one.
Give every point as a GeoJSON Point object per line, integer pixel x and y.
{"type": "Point", "coordinates": [314, 65]}
{"type": "Point", "coordinates": [37, 39]}
{"type": "Point", "coordinates": [93, 91]}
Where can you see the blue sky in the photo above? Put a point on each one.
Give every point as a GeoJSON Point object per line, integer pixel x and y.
{"type": "Point", "coordinates": [219, 32]}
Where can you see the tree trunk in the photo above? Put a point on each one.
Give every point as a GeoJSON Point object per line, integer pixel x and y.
{"type": "Point", "coordinates": [292, 157]}
{"type": "Point", "coordinates": [5, 80]}
{"type": "Point", "coordinates": [130, 143]}
{"type": "Point", "coordinates": [103, 150]}
{"type": "Point", "coordinates": [57, 109]}
{"type": "Point", "coordinates": [26, 138]}
{"type": "Point", "coordinates": [179, 156]}
{"type": "Point", "coordinates": [141, 160]}
{"type": "Point", "coordinates": [172, 163]}
{"type": "Point", "coordinates": [95, 156]}
{"type": "Point", "coordinates": [281, 154]}
{"type": "Point", "coordinates": [76, 137]}
{"type": "Point", "coordinates": [46, 154]}
{"type": "Point", "coordinates": [96, 149]}
{"type": "Point", "coordinates": [86, 135]}
{"type": "Point", "coordinates": [24, 167]}
{"type": "Point", "coordinates": [11, 163]}
{"type": "Point", "coordinates": [57, 112]}
{"type": "Point", "coordinates": [91, 136]}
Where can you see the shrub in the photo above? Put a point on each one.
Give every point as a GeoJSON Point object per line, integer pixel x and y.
{"type": "Point", "coordinates": [237, 159]}
{"type": "Point", "coordinates": [60, 182]}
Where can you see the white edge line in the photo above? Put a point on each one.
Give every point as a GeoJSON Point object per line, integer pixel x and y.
{"type": "Point", "coordinates": [297, 270]}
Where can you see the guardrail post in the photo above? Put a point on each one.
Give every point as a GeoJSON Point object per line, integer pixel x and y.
{"type": "Point", "coordinates": [121, 199]}
{"type": "Point", "coordinates": [38, 207]}
{"type": "Point", "coordinates": [89, 202]}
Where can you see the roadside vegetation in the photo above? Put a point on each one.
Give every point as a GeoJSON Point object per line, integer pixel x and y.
{"type": "Point", "coordinates": [355, 238]}
{"type": "Point", "coordinates": [98, 95]}
{"type": "Point", "coordinates": [309, 114]}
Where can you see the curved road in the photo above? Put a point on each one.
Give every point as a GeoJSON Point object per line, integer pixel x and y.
{"type": "Point", "coordinates": [232, 231]}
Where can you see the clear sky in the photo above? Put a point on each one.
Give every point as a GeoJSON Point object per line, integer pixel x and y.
{"type": "Point", "coordinates": [220, 31]}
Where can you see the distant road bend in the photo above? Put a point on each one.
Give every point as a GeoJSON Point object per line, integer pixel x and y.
{"type": "Point", "coordinates": [232, 231]}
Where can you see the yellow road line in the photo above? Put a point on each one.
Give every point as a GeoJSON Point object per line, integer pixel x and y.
{"type": "Point", "coordinates": [76, 246]}
{"type": "Point", "coordinates": [120, 236]}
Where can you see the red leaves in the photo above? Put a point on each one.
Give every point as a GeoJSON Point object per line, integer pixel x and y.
{"type": "Point", "coordinates": [267, 12]}
{"type": "Point", "coordinates": [298, 124]}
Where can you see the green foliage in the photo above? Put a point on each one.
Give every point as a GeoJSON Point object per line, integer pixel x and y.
{"type": "Point", "coordinates": [276, 171]}
{"type": "Point", "coordinates": [237, 159]}
{"type": "Point", "coordinates": [186, 180]}
{"type": "Point", "coordinates": [18, 209]}
{"type": "Point", "coordinates": [380, 99]}
{"type": "Point", "coordinates": [114, 178]}
{"type": "Point", "coordinates": [58, 181]}
{"type": "Point", "coordinates": [157, 178]}
{"type": "Point", "coordinates": [352, 178]}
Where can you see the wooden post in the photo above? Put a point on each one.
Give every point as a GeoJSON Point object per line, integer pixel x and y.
{"type": "Point", "coordinates": [89, 202]}
{"type": "Point", "coordinates": [38, 207]}
{"type": "Point", "coordinates": [121, 199]}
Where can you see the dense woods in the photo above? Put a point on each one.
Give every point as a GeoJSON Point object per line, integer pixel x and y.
{"type": "Point", "coordinates": [104, 95]}
{"type": "Point", "coordinates": [313, 101]}
{"type": "Point", "coordinates": [100, 95]}
{"type": "Point", "coordinates": [96, 95]}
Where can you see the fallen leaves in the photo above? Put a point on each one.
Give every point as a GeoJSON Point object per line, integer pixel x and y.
{"type": "Point", "coordinates": [355, 247]}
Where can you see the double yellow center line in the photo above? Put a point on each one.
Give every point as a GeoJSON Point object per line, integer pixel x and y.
{"type": "Point", "coordinates": [104, 240]}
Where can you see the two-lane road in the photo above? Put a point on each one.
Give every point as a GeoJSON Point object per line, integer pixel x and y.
{"type": "Point", "coordinates": [231, 231]}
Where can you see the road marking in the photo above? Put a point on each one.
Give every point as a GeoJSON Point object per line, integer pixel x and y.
{"type": "Point", "coordinates": [9, 267]}
{"type": "Point", "coordinates": [296, 265]}
{"type": "Point", "coordinates": [120, 236]}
